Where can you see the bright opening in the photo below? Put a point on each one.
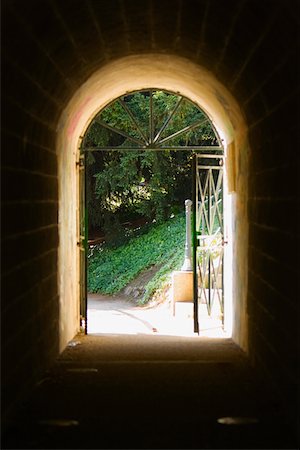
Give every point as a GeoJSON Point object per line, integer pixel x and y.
{"type": "Point", "coordinates": [138, 155]}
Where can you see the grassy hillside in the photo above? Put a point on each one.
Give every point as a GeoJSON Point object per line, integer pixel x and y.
{"type": "Point", "coordinates": [111, 269]}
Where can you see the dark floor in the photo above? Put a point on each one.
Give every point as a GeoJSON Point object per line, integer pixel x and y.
{"type": "Point", "coordinates": [138, 391]}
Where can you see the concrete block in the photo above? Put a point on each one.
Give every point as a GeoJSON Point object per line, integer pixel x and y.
{"type": "Point", "coordinates": [182, 287]}
{"type": "Point", "coordinates": [184, 309]}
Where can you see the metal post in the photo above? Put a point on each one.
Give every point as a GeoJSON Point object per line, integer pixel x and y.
{"type": "Point", "coordinates": [195, 240]}
{"type": "Point", "coordinates": [187, 265]}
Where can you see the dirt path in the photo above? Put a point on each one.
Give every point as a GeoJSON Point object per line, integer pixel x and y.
{"type": "Point", "coordinates": [117, 314]}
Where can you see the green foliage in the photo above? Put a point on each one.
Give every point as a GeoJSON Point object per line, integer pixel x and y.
{"type": "Point", "coordinates": [163, 276]}
{"type": "Point", "coordinates": [126, 184]}
{"type": "Point", "coordinates": [111, 269]}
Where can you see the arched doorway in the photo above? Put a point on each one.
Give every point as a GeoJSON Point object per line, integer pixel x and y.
{"type": "Point", "coordinates": [134, 73]}
{"type": "Point", "coordinates": [167, 125]}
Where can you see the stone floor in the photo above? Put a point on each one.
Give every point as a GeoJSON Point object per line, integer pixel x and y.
{"type": "Point", "coordinates": [149, 389]}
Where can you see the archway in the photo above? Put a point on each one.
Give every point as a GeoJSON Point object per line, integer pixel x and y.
{"type": "Point", "coordinates": [136, 73]}
{"type": "Point", "coordinates": [144, 155]}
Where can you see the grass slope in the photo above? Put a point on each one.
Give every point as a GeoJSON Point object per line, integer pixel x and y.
{"type": "Point", "coordinates": [111, 269]}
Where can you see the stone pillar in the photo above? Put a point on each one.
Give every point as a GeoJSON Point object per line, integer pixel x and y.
{"type": "Point", "coordinates": [187, 265]}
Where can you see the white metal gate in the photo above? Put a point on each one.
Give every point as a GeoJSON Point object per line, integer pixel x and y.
{"type": "Point", "coordinates": [208, 234]}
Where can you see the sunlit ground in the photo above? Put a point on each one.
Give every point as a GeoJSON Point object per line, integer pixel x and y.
{"type": "Point", "coordinates": [108, 315]}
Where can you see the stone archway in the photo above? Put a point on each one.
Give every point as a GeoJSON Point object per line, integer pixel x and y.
{"type": "Point", "coordinates": [116, 78]}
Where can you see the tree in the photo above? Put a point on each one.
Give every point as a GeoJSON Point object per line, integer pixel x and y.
{"type": "Point", "coordinates": [126, 184]}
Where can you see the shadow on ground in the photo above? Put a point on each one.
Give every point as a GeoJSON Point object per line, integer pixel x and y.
{"type": "Point", "coordinates": [150, 391]}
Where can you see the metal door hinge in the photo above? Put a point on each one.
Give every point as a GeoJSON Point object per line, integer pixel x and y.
{"type": "Point", "coordinates": [80, 162]}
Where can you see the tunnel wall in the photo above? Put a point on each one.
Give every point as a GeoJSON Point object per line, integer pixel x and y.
{"type": "Point", "coordinates": [50, 49]}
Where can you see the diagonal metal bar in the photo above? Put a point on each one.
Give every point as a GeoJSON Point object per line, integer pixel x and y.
{"type": "Point", "coordinates": [203, 219]}
{"type": "Point", "coordinates": [220, 192]}
{"type": "Point", "coordinates": [216, 134]}
{"type": "Point", "coordinates": [116, 130]}
{"type": "Point", "coordinates": [213, 282]}
{"type": "Point", "coordinates": [199, 202]}
{"type": "Point", "coordinates": [210, 249]}
{"type": "Point", "coordinates": [184, 130]}
{"type": "Point", "coordinates": [220, 201]}
{"type": "Point", "coordinates": [216, 273]}
{"type": "Point", "coordinates": [169, 118]}
{"type": "Point", "coordinates": [216, 193]}
{"type": "Point", "coordinates": [214, 201]}
{"type": "Point", "coordinates": [220, 272]}
{"type": "Point", "coordinates": [202, 268]}
{"type": "Point", "coordinates": [207, 268]}
{"type": "Point", "coordinates": [206, 286]}
{"type": "Point", "coordinates": [201, 287]}
{"type": "Point", "coordinates": [203, 210]}
{"type": "Point", "coordinates": [131, 115]}
{"type": "Point", "coordinates": [209, 201]}
{"type": "Point", "coordinates": [205, 197]}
